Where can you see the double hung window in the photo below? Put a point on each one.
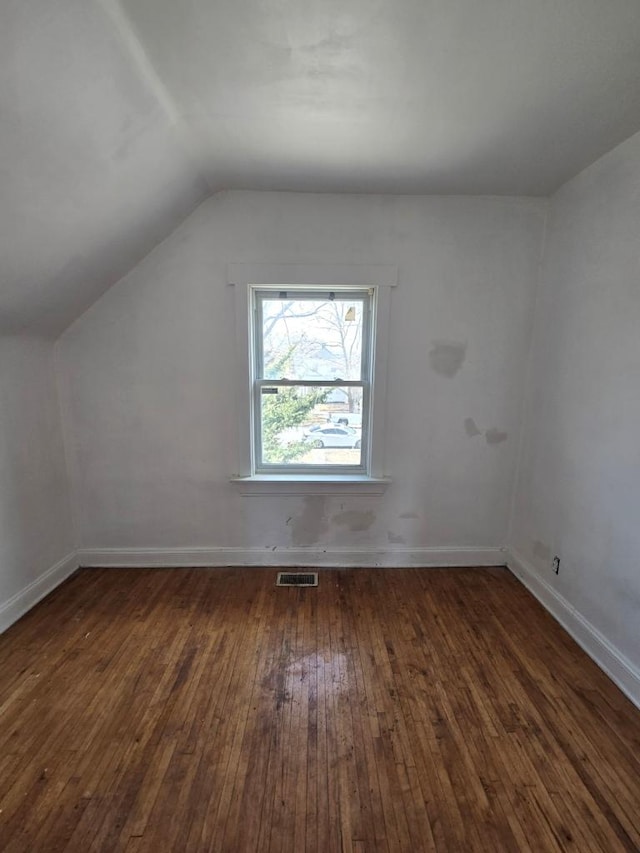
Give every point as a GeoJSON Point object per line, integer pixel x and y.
{"type": "Point", "coordinates": [312, 354]}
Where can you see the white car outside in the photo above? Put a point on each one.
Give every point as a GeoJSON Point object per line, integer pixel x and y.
{"type": "Point", "coordinates": [333, 436]}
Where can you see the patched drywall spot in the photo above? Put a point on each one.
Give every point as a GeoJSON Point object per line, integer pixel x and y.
{"type": "Point", "coordinates": [447, 357]}
{"type": "Point", "coordinates": [541, 551]}
{"type": "Point", "coordinates": [355, 520]}
{"type": "Point", "coordinates": [311, 524]}
{"type": "Point", "coordinates": [494, 436]}
{"type": "Point", "coordinates": [408, 515]}
{"type": "Point", "coordinates": [395, 538]}
{"type": "Point", "coordinates": [471, 428]}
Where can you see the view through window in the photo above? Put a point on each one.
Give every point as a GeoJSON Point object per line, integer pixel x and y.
{"type": "Point", "coordinates": [312, 370]}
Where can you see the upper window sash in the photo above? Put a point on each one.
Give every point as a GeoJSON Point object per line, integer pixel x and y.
{"type": "Point", "coordinates": [364, 297]}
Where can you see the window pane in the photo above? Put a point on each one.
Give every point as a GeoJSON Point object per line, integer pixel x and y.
{"type": "Point", "coordinates": [311, 426]}
{"type": "Point", "coordinates": [319, 339]}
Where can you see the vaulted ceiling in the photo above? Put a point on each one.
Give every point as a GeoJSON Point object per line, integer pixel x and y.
{"type": "Point", "coordinates": [118, 118]}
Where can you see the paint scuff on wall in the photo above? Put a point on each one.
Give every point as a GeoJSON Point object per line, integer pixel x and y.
{"type": "Point", "coordinates": [312, 523]}
{"type": "Point", "coordinates": [495, 436]}
{"type": "Point", "coordinates": [447, 357]}
{"type": "Point", "coordinates": [354, 519]}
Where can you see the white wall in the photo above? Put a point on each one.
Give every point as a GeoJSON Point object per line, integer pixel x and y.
{"type": "Point", "coordinates": [148, 376]}
{"type": "Point", "coordinates": [579, 485]}
{"type": "Point", "coordinates": [35, 519]}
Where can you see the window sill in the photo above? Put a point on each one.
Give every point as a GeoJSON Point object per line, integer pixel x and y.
{"type": "Point", "coordinates": [310, 484]}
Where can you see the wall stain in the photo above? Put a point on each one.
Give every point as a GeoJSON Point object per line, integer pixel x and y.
{"type": "Point", "coordinates": [447, 357]}
{"type": "Point", "coordinates": [395, 538]}
{"type": "Point", "coordinates": [471, 428]}
{"type": "Point", "coordinates": [354, 519]}
{"type": "Point", "coordinates": [312, 523]}
{"type": "Point", "coordinates": [494, 436]}
{"type": "Point", "coordinates": [408, 515]}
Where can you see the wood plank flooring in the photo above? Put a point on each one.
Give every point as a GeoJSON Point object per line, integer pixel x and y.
{"type": "Point", "coordinates": [386, 710]}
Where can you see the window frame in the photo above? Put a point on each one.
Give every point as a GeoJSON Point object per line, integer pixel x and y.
{"type": "Point", "coordinates": [300, 293]}
{"type": "Point", "coordinates": [383, 278]}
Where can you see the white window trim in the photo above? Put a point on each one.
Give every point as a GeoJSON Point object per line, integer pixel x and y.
{"type": "Point", "coordinates": [242, 277]}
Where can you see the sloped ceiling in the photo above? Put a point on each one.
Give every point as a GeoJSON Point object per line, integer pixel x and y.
{"type": "Point", "coordinates": [93, 170]}
{"type": "Point", "coordinates": [118, 119]}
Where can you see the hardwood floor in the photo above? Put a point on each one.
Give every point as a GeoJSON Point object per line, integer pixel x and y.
{"type": "Point", "coordinates": [386, 710]}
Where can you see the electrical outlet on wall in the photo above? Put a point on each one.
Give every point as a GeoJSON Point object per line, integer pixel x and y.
{"type": "Point", "coordinates": [556, 565]}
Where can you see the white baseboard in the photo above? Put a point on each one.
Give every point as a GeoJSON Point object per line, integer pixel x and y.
{"type": "Point", "coordinates": [392, 557]}
{"type": "Point", "coordinates": [21, 602]}
{"type": "Point", "coordinates": [619, 668]}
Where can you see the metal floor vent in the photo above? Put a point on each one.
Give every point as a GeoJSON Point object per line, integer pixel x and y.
{"type": "Point", "coordinates": [297, 579]}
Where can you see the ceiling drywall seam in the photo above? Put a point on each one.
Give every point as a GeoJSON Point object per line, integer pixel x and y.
{"type": "Point", "coordinates": [526, 385]}
{"type": "Point", "coordinates": [126, 33]}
